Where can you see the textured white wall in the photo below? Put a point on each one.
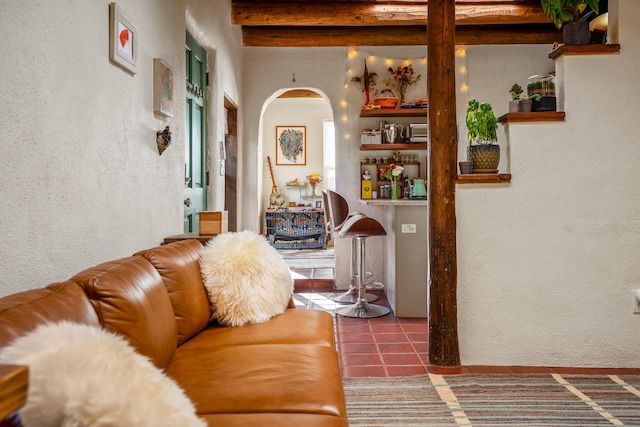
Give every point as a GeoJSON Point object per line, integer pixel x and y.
{"type": "Point", "coordinates": [547, 263]}
{"type": "Point", "coordinates": [82, 181]}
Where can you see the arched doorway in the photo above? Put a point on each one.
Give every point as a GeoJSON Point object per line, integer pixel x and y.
{"type": "Point", "coordinates": [308, 111]}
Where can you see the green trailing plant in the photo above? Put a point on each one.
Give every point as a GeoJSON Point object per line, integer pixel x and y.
{"type": "Point", "coordinates": [482, 124]}
{"type": "Point", "coordinates": [515, 92]}
{"type": "Point", "coordinates": [562, 11]}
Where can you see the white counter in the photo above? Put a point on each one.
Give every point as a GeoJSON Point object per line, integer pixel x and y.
{"type": "Point", "coordinates": [391, 202]}
{"type": "Point", "coordinates": [405, 255]}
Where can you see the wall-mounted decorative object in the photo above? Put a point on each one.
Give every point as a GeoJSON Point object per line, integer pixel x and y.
{"type": "Point", "coordinates": [123, 40]}
{"type": "Point", "coordinates": [163, 140]}
{"type": "Point", "coordinates": [162, 88]}
{"type": "Point", "coordinates": [291, 145]}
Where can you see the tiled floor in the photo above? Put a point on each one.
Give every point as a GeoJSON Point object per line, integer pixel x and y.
{"type": "Point", "coordinates": [390, 346]}
{"type": "Point", "coordinates": [377, 347]}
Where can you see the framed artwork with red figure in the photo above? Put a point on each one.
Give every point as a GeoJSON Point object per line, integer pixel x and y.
{"type": "Point", "coordinates": [123, 40]}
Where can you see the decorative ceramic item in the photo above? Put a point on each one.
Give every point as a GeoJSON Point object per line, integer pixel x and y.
{"type": "Point", "coordinates": [163, 139]}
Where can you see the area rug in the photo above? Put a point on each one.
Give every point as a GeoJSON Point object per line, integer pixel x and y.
{"type": "Point", "coordinates": [494, 400]}
{"type": "Point", "coordinates": [308, 258]}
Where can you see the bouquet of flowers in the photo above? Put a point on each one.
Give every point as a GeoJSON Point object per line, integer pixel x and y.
{"type": "Point", "coordinates": [400, 78]}
{"type": "Point", "coordinates": [392, 173]}
{"type": "Point", "coordinates": [314, 178]}
{"type": "Point", "coordinates": [313, 181]}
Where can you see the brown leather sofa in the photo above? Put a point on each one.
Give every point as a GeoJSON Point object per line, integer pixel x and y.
{"type": "Point", "coordinates": [283, 372]}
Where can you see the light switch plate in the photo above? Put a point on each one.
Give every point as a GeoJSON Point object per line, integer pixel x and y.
{"type": "Point", "coordinates": [409, 228]}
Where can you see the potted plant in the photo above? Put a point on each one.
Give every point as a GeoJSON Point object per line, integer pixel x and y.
{"type": "Point", "coordinates": [526, 103]}
{"type": "Point", "coordinates": [515, 92]}
{"type": "Point", "coordinates": [569, 12]}
{"type": "Point", "coordinates": [482, 127]}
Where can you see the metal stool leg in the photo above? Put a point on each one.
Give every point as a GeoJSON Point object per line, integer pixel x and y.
{"type": "Point", "coordinates": [351, 295]}
{"type": "Point", "coordinates": [362, 308]}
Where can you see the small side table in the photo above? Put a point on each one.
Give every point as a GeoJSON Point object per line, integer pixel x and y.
{"type": "Point", "coordinates": [204, 238]}
{"type": "Point", "coordinates": [14, 381]}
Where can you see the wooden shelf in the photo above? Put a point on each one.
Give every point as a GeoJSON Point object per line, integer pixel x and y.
{"type": "Point", "coordinates": [584, 49]}
{"type": "Point", "coordinates": [484, 178]}
{"type": "Point", "coordinates": [536, 116]}
{"type": "Point", "coordinates": [366, 147]}
{"type": "Point", "coordinates": [394, 112]}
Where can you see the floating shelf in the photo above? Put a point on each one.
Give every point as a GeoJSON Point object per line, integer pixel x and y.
{"type": "Point", "coordinates": [394, 112]}
{"type": "Point", "coordinates": [365, 147]}
{"type": "Point", "coordinates": [584, 49]}
{"type": "Point", "coordinates": [536, 116]}
{"type": "Point", "coordinates": [484, 178]}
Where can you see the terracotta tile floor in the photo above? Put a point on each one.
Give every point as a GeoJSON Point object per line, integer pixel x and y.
{"type": "Point", "coordinates": [390, 346]}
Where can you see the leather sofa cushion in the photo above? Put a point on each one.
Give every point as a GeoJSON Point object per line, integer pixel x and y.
{"type": "Point", "coordinates": [269, 378]}
{"type": "Point", "coordinates": [274, 419]}
{"type": "Point", "coordinates": [22, 312]}
{"type": "Point", "coordinates": [179, 267]}
{"type": "Point", "coordinates": [131, 299]}
{"type": "Point", "coordinates": [291, 327]}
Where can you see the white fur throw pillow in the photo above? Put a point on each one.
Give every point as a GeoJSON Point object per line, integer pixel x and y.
{"type": "Point", "coordinates": [81, 376]}
{"type": "Point", "coordinates": [247, 280]}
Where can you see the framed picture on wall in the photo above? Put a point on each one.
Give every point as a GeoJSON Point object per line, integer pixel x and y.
{"type": "Point", "coordinates": [162, 88]}
{"type": "Point", "coordinates": [123, 40]}
{"type": "Point", "coordinates": [291, 145]}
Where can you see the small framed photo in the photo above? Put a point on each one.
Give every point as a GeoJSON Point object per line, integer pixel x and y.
{"type": "Point", "coordinates": [162, 88]}
{"type": "Point", "coordinates": [291, 145]}
{"type": "Point", "coordinates": [318, 204]}
{"type": "Point", "coordinates": [123, 40]}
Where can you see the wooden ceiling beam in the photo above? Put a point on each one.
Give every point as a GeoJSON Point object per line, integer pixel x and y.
{"type": "Point", "coordinates": [394, 36]}
{"type": "Point", "coordinates": [354, 15]}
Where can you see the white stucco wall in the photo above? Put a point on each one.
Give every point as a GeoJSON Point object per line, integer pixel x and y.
{"type": "Point", "coordinates": [547, 263]}
{"type": "Point", "coordinates": [81, 178]}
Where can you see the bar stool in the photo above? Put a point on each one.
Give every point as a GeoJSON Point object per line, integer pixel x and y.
{"type": "Point", "coordinates": [337, 213]}
{"type": "Point", "coordinates": [359, 228]}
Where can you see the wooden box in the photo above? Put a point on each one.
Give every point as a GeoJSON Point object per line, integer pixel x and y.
{"type": "Point", "coordinates": [213, 222]}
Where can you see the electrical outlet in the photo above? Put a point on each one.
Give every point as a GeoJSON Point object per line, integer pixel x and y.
{"type": "Point", "coordinates": [409, 228]}
{"type": "Point", "coordinates": [636, 301]}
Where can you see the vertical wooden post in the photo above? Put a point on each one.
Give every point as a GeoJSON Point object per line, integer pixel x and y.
{"type": "Point", "coordinates": [443, 148]}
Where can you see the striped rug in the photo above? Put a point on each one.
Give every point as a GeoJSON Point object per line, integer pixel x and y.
{"type": "Point", "coordinates": [494, 400]}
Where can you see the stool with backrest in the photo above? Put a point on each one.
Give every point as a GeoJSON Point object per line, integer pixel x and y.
{"type": "Point", "coordinates": [359, 228]}
{"type": "Point", "coordinates": [338, 213]}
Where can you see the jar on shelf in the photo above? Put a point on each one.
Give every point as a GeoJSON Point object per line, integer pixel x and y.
{"type": "Point", "coordinates": [543, 85]}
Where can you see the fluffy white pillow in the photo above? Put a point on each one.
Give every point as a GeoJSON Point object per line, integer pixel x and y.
{"type": "Point", "coordinates": [81, 376]}
{"type": "Point", "coordinates": [247, 280]}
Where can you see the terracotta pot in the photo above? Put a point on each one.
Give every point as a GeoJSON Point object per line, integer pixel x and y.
{"type": "Point", "coordinates": [466, 167]}
{"type": "Point", "coordinates": [525, 105]}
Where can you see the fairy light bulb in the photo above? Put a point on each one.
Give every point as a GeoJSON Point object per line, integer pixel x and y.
{"type": "Point", "coordinates": [461, 52]}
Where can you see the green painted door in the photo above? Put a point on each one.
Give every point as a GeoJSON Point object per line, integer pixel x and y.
{"type": "Point", "coordinates": [195, 129]}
